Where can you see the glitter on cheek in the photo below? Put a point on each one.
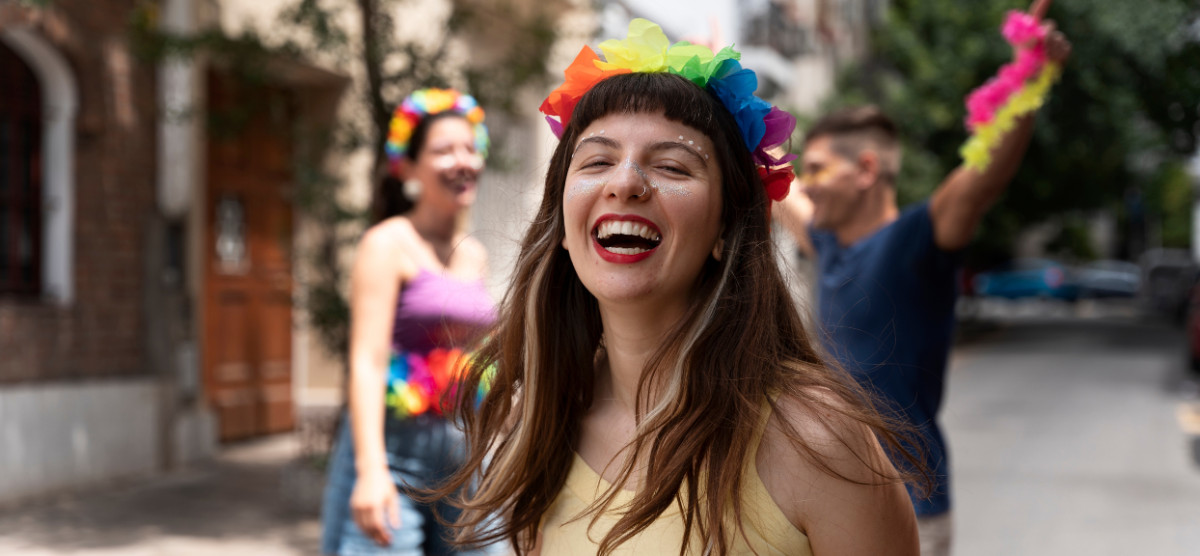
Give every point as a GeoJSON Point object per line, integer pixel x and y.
{"type": "Point", "coordinates": [675, 190]}
{"type": "Point", "coordinates": [584, 187]}
{"type": "Point", "coordinates": [671, 189]}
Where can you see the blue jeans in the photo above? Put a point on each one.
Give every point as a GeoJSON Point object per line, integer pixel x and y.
{"type": "Point", "coordinates": [422, 451]}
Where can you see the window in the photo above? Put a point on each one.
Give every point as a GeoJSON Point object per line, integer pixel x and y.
{"type": "Point", "coordinates": [20, 178]}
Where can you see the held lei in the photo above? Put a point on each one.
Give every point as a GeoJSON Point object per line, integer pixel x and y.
{"type": "Point", "coordinates": [647, 50]}
{"type": "Point", "coordinates": [1019, 88]}
{"type": "Point", "coordinates": [426, 102]}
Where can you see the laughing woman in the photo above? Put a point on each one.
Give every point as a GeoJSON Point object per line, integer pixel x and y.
{"type": "Point", "coordinates": [653, 389]}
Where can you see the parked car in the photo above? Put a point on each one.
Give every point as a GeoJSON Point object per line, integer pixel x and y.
{"type": "Point", "coordinates": [1109, 278]}
{"type": "Point", "coordinates": [1193, 328]}
{"type": "Point", "coordinates": [1168, 277]}
{"type": "Point", "coordinates": [1042, 278]}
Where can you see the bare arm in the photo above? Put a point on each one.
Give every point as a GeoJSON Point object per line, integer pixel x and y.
{"type": "Point", "coordinates": [374, 285]}
{"type": "Point", "coordinates": [857, 514]}
{"type": "Point", "coordinates": [960, 202]}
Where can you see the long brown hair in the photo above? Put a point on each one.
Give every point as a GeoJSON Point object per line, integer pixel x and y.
{"type": "Point", "coordinates": [740, 343]}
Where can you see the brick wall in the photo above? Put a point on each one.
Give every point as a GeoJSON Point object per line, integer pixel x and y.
{"type": "Point", "coordinates": [101, 333]}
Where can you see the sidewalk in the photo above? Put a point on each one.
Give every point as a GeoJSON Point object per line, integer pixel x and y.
{"type": "Point", "coordinates": [237, 505]}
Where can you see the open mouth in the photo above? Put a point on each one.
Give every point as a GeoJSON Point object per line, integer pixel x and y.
{"type": "Point", "coordinates": [625, 237]}
{"type": "Point", "coordinates": [457, 182]}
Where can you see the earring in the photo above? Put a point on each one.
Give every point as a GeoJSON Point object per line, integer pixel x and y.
{"type": "Point", "coordinates": [412, 189]}
{"type": "Point", "coordinates": [718, 248]}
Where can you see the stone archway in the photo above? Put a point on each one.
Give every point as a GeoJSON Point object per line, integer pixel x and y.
{"type": "Point", "coordinates": [60, 104]}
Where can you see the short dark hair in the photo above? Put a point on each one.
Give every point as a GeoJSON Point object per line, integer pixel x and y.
{"type": "Point", "coordinates": [859, 119]}
{"type": "Point", "coordinates": [853, 130]}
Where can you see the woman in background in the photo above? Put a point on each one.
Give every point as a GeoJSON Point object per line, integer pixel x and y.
{"type": "Point", "coordinates": [417, 300]}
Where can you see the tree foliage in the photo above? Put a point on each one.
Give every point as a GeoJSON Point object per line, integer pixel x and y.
{"type": "Point", "coordinates": [392, 65]}
{"type": "Point", "coordinates": [1128, 104]}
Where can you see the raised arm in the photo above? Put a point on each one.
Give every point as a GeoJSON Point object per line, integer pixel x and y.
{"type": "Point", "coordinates": [959, 203]}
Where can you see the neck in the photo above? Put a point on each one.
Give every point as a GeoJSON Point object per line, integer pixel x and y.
{"type": "Point", "coordinates": [632, 333]}
{"type": "Point", "coordinates": [436, 226]}
{"type": "Point", "coordinates": [876, 209]}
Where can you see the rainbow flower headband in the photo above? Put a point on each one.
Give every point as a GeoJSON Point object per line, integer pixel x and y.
{"type": "Point", "coordinates": [647, 50]}
{"type": "Point", "coordinates": [425, 102]}
{"type": "Point", "coordinates": [992, 109]}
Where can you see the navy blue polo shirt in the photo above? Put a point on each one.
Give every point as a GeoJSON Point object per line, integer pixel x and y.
{"type": "Point", "coordinates": [886, 308]}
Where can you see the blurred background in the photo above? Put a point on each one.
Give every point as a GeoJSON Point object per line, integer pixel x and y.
{"type": "Point", "coordinates": [182, 183]}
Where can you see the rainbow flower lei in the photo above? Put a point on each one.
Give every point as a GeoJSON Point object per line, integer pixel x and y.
{"type": "Point", "coordinates": [416, 383]}
{"type": "Point", "coordinates": [424, 102]}
{"type": "Point", "coordinates": [647, 50]}
{"type": "Point", "coordinates": [1019, 88]}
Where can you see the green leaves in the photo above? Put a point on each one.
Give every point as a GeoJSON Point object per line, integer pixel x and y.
{"type": "Point", "coordinates": [1128, 103]}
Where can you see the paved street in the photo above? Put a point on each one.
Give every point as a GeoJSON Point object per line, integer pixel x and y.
{"type": "Point", "coordinates": [1064, 440]}
{"type": "Point", "coordinates": [232, 507]}
{"type": "Point", "coordinates": [1063, 430]}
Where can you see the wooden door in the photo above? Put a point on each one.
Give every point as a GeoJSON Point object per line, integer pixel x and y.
{"type": "Point", "coordinates": [248, 279]}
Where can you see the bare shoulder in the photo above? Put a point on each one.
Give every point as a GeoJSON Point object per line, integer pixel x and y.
{"type": "Point", "coordinates": [392, 233]}
{"type": "Point", "coordinates": [829, 476]}
{"type": "Point", "coordinates": [386, 246]}
{"type": "Point", "coordinates": [814, 429]}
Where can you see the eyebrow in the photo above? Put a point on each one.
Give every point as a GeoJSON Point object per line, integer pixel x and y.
{"type": "Point", "coordinates": [659, 146]}
{"type": "Point", "coordinates": [669, 145]}
{"type": "Point", "coordinates": [596, 139]}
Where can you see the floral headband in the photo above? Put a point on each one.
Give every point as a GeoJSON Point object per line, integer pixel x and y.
{"type": "Point", "coordinates": [426, 102]}
{"type": "Point", "coordinates": [647, 50]}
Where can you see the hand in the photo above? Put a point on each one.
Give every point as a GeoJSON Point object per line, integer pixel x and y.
{"type": "Point", "coordinates": [375, 505]}
{"type": "Point", "coordinates": [1058, 48]}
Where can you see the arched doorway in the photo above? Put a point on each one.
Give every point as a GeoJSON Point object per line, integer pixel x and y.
{"type": "Point", "coordinates": [20, 178]}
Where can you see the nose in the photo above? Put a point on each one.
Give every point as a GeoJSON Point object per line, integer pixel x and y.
{"type": "Point", "coordinates": [468, 158]}
{"type": "Point", "coordinates": [629, 182]}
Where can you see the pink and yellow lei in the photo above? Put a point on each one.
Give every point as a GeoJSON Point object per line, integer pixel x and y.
{"type": "Point", "coordinates": [1019, 88]}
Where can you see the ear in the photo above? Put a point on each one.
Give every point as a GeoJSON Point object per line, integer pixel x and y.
{"type": "Point", "coordinates": [719, 246]}
{"type": "Point", "coordinates": [868, 168]}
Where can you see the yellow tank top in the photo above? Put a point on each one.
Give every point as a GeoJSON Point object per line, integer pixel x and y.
{"type": "Point", "coordinates": [768, 531]}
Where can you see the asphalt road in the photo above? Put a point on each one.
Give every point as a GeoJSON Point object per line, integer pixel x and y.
{"type": "Point", "coordinates": [1066, 439]}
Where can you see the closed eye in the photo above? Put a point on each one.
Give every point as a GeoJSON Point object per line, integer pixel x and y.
{"type": "Point", "coordinates": [675, 170]}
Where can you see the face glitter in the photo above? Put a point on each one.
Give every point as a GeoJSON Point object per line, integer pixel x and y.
{"type": "Point", "coordinates": [668, 189]}
{"type": "Point", "coordinates": [584, 187]}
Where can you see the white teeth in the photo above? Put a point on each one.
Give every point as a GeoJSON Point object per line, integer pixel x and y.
{"type": "Point", "coordinates": [610, 228]}
{"type": "Point", "coordinates": [625, 250]}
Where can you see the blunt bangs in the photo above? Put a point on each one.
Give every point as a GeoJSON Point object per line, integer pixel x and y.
{"type": "Point", "coordinates": [673, 96]}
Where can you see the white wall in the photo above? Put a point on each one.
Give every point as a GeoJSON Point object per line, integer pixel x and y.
{"type": "Point", "coordinates": [59, 436]}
